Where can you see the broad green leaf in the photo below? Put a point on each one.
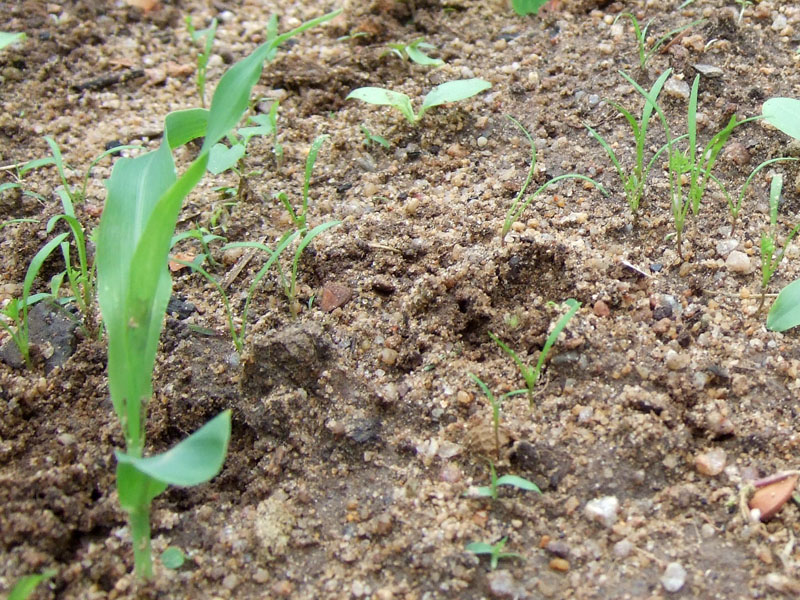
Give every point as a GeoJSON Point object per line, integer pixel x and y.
{"type": "Point", "coordinates": [173, 557]}
{"type": "Point", "coordinates": [453, 91]}
{"type": "Point", "coordinates": [785, 311]}
{"type": "Point", "coordinates": [194, 460]}
{"type": "Point", "coordinates": [419, 57]}
{"type": "Point", "coordinates": [384, 97]}
{"type": "Point", "coordinates": [518, 482]}
{"type": "Point", "coordinates": [265, 126]}
{"type": "Point", "coordinates": [136, 489]}
{"type": "Point", "coordinates": [527, 7]}
{"type": "Point", "coordinates": [25, 586]}
{"type": "Point", "coordinates": [783, 113]}
{"type": "Point", "coordinates": [7, 38]}
{"type": "Point", "coordinates": [480, 548]}
{"type": "Point", "coordinates": [221, 158]}
{"type": "Point", "coordinates": [183, 126]}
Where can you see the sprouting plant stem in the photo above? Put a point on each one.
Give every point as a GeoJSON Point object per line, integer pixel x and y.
{"type": "Point", "coordinates": [139, 521]}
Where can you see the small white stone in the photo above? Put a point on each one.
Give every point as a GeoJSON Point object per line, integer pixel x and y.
{"type": "Point", "coordinates": [739, 262]}
{"type": "Point", "coordinates": [622, 549]}
{"type": "Point", "coordinates": [677, 88]}
{"type": "Point", "coordinates": [725, 247]}
{"type": "Point", "coordinates": [711, 463]}
{"type": "Point", "coordinates": [676, 361]}
{"type": "Point", "coordinates": [482, 141]}
{"type": "Point", "coordinates": [603, 510]}
{"type": "Point", "coordinates": [674, 577]}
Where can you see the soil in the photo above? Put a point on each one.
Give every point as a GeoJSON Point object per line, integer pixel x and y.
{"type": "Point", "coordinates": [358, 434]}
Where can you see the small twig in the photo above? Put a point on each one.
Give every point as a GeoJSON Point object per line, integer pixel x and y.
{"type": "Point", "coordinates": [239, 266]}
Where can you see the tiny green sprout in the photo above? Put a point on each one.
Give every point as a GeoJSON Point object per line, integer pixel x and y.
{"type": "Point", "coordinates": [527, 7]}
{"type": "Point", "coordinates": [519, 205]}
{"type": "Point", "coordinates": [206, 37]}
{"type": "Point", "coordinates": [173, 558]}
{"type": "Point", "coordinates": [8, 38]}
{"type": "Point", "coordinates": [414, 52]}
{"type": "Point", "coordinates": [495, 403]}
{"type": "Point", "coordinates": [495, 551]}
{"type": "Point", "coordinates": [770, 261]}
{"type": "Point", "coordinates": [743, 4]}
{"type": "Point", "coordinates": [641, 37]}
{"type": "Point", "coordinates": [450, 91]}
{"type": "Point", "coordinates": [370, 138]}
{"type": "Point", "coordinates": [23, 589]}
{"type": "Point", "coordinates": [531, 374]}
{"type": "Point", "coordinates": [491, 490]}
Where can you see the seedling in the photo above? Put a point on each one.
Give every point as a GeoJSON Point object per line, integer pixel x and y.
{"type": "Point", "coordinates": [784, 114]}
{"type": "Point", "coordinates": [527, 7]}
{"type": "Point", "coordinates": [495, 551]}
{"type": "Point", "coordinates": [491, 490]}
{"type": "Point", "coordinates": [206, 38]}
{"type": "Point", "coordinates": [299, 217]}
{"type": "Point", "coordinates": [641, 37]}
{"type": "Point", "coordinates": [8, 38]}
{"type": "Point", "coordinates": [531, 374]}
{"type": "Point", "coordinates": [173, 558]}
{"type": "Point", "coordinates": [23, 589]}
{"type": "Point", "coordinates": [495, 403]}
{"type": "Point", "coordinates": [519, 205]}
{"type": "Point", "coordinates": [451, 91]}
{"type": "Point", "coordinates": [414, 52]}
{"type": "Point", "coordinates": [743, 4]}
{"type": "Point", "coordinates": [770, 261]}
{"type": "Point", "coordinates": [370, 138]}
{"type": "Point", "coordinates": [634, 181]}
{"type": "Point", "coordinates": [144, 198]}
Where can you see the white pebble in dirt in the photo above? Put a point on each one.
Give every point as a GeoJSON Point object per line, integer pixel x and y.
{"type": "Point", "coordinates": [674, 577]}
{"type": "Point", "coordinates": [603, 510]}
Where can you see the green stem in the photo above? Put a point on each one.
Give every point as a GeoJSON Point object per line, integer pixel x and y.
{"type": "Point", "coordinates": [140, 531]}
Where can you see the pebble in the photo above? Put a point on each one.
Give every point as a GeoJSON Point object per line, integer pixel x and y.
{"type": "Point", "coordinates": [603, 510]}
{"type": "Point", "coordinates": [676, 361]}
{"type": "Point", "coordinates": [623, 548]}
{"type": "Point", "coordinates": [739, 262]}
{"type": "Point", "coordinates": [677, 88]}
{"type": "Point", "coordinates": [709, 71]}
{"type": "Point", "coordinates": [230, 581]}
{"type": "Point", "coordinates": [601, 309]}
{"type": "Point", "coordinates": [674, 577]}
{"type": "Point", "coordinates": [559, 548]}
{"type": "Point", "coordinates": [725, 247]}
{"type": "Point", "coordinates": [502, 584]}
{"type": "Point", "coordinates": [389, 356]}
{"type": "Point", "coordinates": [736, 153]}
{"type": "Point", "coordinates": [559, 564]}
{"type": "Point", "coordinates": [482, 141]}
{"type": "Point", "coordinates": [333, 296]}
{"type": "Point", "coordinates": [711, 463]}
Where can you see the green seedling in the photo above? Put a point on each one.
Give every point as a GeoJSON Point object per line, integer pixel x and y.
{"type": "Point", "coordinates": [414, 52]}
{"type": "Point", "coordinates": [531, 374]}
{"type": "Point", "coordinates": [634, 182]}
{"type": "Point", "coordinates": [8, 38]}
{"type": "Point", "coordinates": [491, 490]}
{"type": "Point", "coordinates": [23, 589]}
{"type": "Point", "coordinates": [16, 222]}
{"type": "Point", "coordinates": [527, 7]}
{"type": "Point", "coordinates": [144, 199]}
{"type": "Point", "coordinates": [206, 38]}
{"type": "Point", "coordinates": [769, 260]}
{"type": "Point", "coordinates": [15, 314]}
{"type": "Point", "coordinates": [641, 37]}
{"type": "Point", "coordinates": [495, 551]}
{"type": "Point", "coordinates": [451, 91]}
{"type": "Point", "coordinates": [299, 217]}
{"type": "Point", "coordinates": [519, 205]}
{"type": "Point", "coordinates": [743, 4]}
{"type": "Point", "coordinates": [204, 237]}
{"type": "Point", "coordinates": [495, 403]}
{"type": "Point", "coordinates": [370, 138]}
{"type": "Point", "coordinates": [173, 558]}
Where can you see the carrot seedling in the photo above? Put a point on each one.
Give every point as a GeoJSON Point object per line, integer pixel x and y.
{"type": "Point", "coordinates": [495, 403]}
{"type": "Point", "coordinates": [531, 374]}
{"type": "Point", "coordinates": [450, 91]}
{"type": "Point", "coordinates": [206, 38]}
{"type": "Point", "coordinates": [641, 37]}
{"type": "Point", "coordinates": [494, 551]}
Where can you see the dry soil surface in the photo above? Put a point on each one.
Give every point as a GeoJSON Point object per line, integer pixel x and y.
{"type": "Point", "coordinates": [358, 434]}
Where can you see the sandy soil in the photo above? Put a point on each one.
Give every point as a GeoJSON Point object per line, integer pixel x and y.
{"type": "Point", "coordinates": [358, 433]}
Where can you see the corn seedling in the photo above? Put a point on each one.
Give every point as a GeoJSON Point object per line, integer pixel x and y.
{"type": "Point", "coordinates": [206, 38]}
{"type": "Point", "coordinates": [451, 91]}
{"type": "Point", "coordinates": [495, 552]}
{"type": "Point", "coordinates": [8, 38]}
{"type": "Point", "coordinates": [519, 205]}
{"type": "Point", "coordinates": [495, 482]}
{"type": "Point", "coordinates": [23, 589]}
{"type": "Point", "coordinates": [370, 138]}
{"type": "Point", "coordinates": [495, 403]}
{"type": "Point", "coordinates": [634, 181]}
{"type": "Point", "coordinates": [144, 199]}
{"type": "Point", "coordinates": [299, 217]}
{"type": "Point", "coordinates": [527, 7]}
{"type": "Point", "coordinates": [15, 314]}
{"type": "Point", "coordinates": [769, 260]}
{"type": "Point", "coordinates": [414, 52]}
{"type": "Point", "coordinates": [531, 374]}
{"type": "Point", "coordinates": [641, 37]}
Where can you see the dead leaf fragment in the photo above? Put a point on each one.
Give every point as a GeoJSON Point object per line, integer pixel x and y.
{"type": "Point", "coordinates": [333, 296]}
{"type": "Point", "coordinates": [144, 5]}
{"type": "Point", "coordinates": [769, 499]}
{"type": "Point", "coordinates": [175, 266]}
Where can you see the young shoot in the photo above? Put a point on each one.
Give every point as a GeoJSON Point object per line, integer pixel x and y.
{"type": "Point", "coordinates": [495, 403]}
{"type": "Point", "coordinates": [370, 138]}
{"type": "Point", "coordinates": [414, 51]}
{"type": "Point", "coordinates": [299, 217]}
{"type": "Point", "coordinates": [769, 260]}
{"type": "Point", "coordinates": [206, 38]}
{"type": "Point", "coordinates": [531, 374]}
{"type": "Point", "coordinates": [519, 205]}
{"type": "Point", "coordinates": [7, 38]}
{"type": "Point", "coordinates": [494, 551]}
{"type": "Point", "coordinates": [495, 482]}
{"type": "Point", "coordinates": [451, 91]}
{"type": "Point", "coordinates": [641, 37]}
